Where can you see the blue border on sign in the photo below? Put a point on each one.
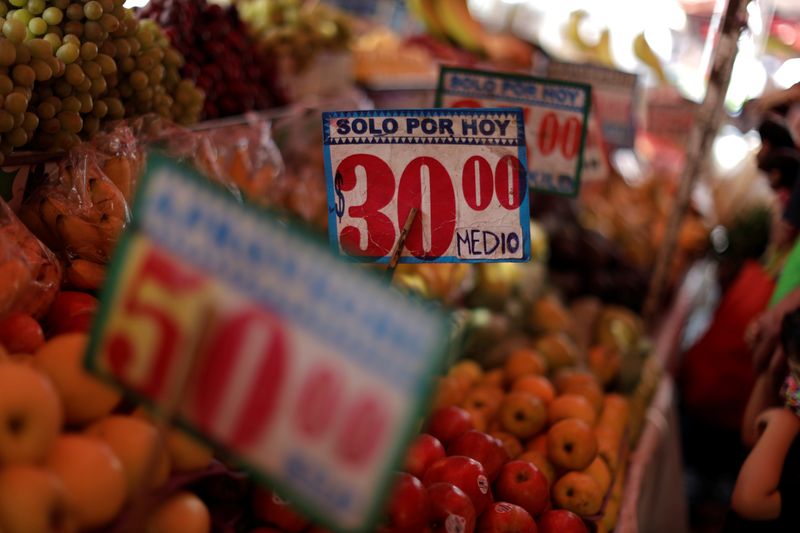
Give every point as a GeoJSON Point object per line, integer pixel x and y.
{"type": "Point", "coordinates": [524, 209]}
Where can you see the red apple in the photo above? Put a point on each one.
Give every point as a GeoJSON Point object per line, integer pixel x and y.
{"type": "Point", "coordinates": [271, 508]}
{"type": "Point", "coordinates": [20, 333]}
{"type": "Point", "coordinates": [451, 510]}
{"type": "Point", "coordinates": [424, 451]}
{"type": "Point", "coordinates": [447, 423]}
{"type": "Point", "coordinates": [504, 517]}
{"type": "Point", "coordinates": [521, 483]}
{"type": "Point", "coordinates": [487, 450]}
{"type": "Point", "coordinates": [408, 504]}
{"type": "Point", "coordinates": [561, 521]}
{"type": "Point", "coordinates": [70, 311]}
{"type": "Point", "coordinates": [465, 473]}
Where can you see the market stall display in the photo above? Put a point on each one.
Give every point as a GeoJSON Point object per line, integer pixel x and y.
{"type": "Point", "coordinates": [554, 411]}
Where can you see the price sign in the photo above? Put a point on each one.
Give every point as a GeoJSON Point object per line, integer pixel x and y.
{"type": "Point", "coordinates": [311, 373]}
{"type": "Point", "coordinates": [615, 95]}
{"type": "Point", "coordinates": [555, 119]}
{"type": "Point", "coordinates": [464, 170]}
{"type": "Point", "coordinates": [595, 162]}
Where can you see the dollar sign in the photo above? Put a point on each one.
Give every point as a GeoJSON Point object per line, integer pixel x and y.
{"type": "Point", "coordinates": [337, 186]}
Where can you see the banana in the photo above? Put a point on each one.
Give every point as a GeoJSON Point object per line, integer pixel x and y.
{"type": "Point", "coordinates": [107, 199]}
{"type": "Point", "coordinates": [81, 238]}
{"type": "Point", "coordinates": [425, 12]}
{"type": "Point", "coordinates": [118, 169]}
{"type": "Point", "coordinates": [83, 274]}
{"type": "Point", "coordinates": [642, 50]}
{"type": "Point", "coordinates": [571, 32]}
{"type": "Point", "coordinates": [459, 25]}
{"type": "Point", "coordinates": [110, 229]}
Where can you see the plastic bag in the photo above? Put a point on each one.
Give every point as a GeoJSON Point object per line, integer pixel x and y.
{"type": "Point", "coordinates": [81, 212]}
{"type": "Point", "coordinates": [30, 273]}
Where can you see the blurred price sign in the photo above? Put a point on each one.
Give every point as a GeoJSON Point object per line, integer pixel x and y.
{"type": "Point", "coordinates": [464, 170]}
{"type": "Point", "coordinates": [614, 93]}
{"type": "Point", "coordinates": [310, 373]}
{"type": "Point", "coordinates": [555, 119]}
{"type": "Point", "coordinates": [595, 161]}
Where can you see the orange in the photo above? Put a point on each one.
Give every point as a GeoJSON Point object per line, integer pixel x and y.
{"type": "Point", "coordinates": [493, 378]}
{"type": "Point", "coordinates": [478, 419]}
{"type": "Point", "coordinates": [451, 390]}
{"type": "Point", "coordinates": [186, 454]}
{"type": "Point", "coordinates": [84, 397]}
{"type": "Point", "coordinates": [538, 444]}
{"type": "Point", "coordinates": [468, 369]}
{"type": "Point", "coordinates": [133, 440]}
{"type": "Point", "coordinates": [540, 461]}
{"type": "Point", "coordinates": [181, 513]}
{"type": "Point", "coordinates": [605, 363]}
{"type": "Point", "coordinates": [567, 377]}
{"type": "Point", "coordinates": [609, 444]}
{"type": "Point", "coordinates": [523, 362]}
{"type": "Point", "coordinates": [522, 414]}
{"type": "Point", "coordinates": [537, 385]}
{"type": "Point", "coordinates": [511, 443]}
{"type": "Point", "coordinates": [33, 501]}
{"type": "Point", "coordinates": [579, 493]}
{"type": "Point", "coordinates": [571, 444]}
{"type": "Point", "coordinates": [590, 391]}
{"type": "Point", "coordinates": [30, 413]}
{"type": "Point", "coordinates": [571, 406]}
{"type": "Point", "coordinates": [93, 478]}
{"type": "Point", "coordinates": [484, 399]}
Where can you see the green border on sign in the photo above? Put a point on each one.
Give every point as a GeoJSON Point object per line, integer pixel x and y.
{"type": "Point", "coordinates": [546, 81]}
{"type": "Point", "coordinates": [422, 394]}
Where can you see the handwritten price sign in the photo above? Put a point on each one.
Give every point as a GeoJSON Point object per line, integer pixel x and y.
{"type": "Point", "coordinates": [555, 119]}
{"type": "Point", "coordinates": [309, 372]}
{"type": "Point", "coordinates": [615, 95]}
{"type": "Point", "coordinates": [464, 170]}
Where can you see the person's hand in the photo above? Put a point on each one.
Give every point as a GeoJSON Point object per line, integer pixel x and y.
{"type": "Point", "coordinates": [762, 337]}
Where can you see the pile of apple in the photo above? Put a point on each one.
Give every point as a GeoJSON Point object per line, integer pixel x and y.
{"type": "Point", "coordinates": [69, 459]}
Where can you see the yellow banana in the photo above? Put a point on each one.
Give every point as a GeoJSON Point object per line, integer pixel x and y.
{"type": "Point", "coordinates": [107, 198]}
{"type": "Point", "coordinates": [110, 229]}
{"type": "Point", "coordinates": [459, 25]}
{"type": "Point", "coordinates": [425, 12]}
{"type": "Point", "coordinates": [81, 238]}
{"type": "Point", "coordinates": [83, 274]}
{"type": "Point", "coordinates": [642, 50]}
{"type": "Point", "coordinates": [118, 170]}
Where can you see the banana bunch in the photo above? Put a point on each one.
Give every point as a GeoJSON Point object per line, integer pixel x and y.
{"type": "Point", "coordinates": [81, 216]}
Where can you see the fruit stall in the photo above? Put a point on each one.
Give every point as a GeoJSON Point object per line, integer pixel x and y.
{"type": "Point", "coordinates": [180, 351]}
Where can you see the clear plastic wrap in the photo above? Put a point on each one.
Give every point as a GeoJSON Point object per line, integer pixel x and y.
{"type": "Point", "coordinates": [30, 272]}
{"type": "Point", "coordinates": [81, 211]}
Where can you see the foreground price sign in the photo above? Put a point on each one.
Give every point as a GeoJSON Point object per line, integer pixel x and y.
{"type": "Point", "coordinates": [309, 372]}
{"type": "Point", "coordinates": [556, 114]}
{"type": "Point", "coordinates": [614, 93]}
{"type": "Point", "coordinates": [464, 170]}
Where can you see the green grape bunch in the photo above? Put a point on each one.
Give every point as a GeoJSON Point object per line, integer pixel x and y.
{"type": "Point", "coordinates": [67, 66]}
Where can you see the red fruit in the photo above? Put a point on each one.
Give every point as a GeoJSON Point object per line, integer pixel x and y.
{"type": "Point", "coordinates": [504, 517]}
{"type": "Point", "coordinates": [487, 450]}
{"type": "Point", "coordinates": [465, 473]}
{"type": "Point", "coordinates": [271, 508]}
{"type": "Point", "coordinates": [451, 511]}
{"type": "Point", "coordinates": [70, 311]}
{"type": "Point", "coordinates": [447, 423]}
{"type": "Point", "coordinates": [408, 504]}
{"type": "Point", "coordinates": [20, 333]}
{"type": "Point", "coordinates": [561, 521]}
{"type": "Point", "coordinates": [521, 483]}
{"type": "Point", "coordinates": [424, 451]}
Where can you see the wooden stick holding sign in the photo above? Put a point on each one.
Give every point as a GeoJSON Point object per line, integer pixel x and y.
{"type": "Point", "coordinates": [401, 242]}
{"type": "Point", "coordinates": [701, 137]}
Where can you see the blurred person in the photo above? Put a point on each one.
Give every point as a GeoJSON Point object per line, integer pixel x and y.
{"type": "Point", "coordinates": [768, 485]}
